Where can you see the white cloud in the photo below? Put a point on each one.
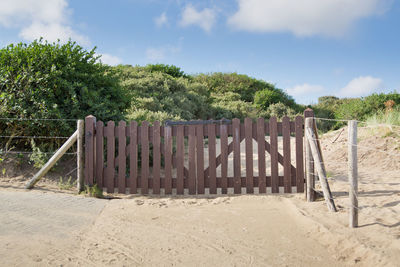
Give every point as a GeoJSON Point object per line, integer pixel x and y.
{"type": "Point", "coordinates": [161, 20]}
{"type": "Point", "coordinates": [205, 19]}
{"type": "Point", "coordinates": [361, 86]}
{"type": "Point", "coordinates": [109, 59]}
{"type": "Point", "coordinates": [39, 18]}
{"type": "Point", "coordinates": [301, 90]}
{"type": "Point", "coordinates": [304, 17]}
{"type": "Point", "coordinates": [155, 54]}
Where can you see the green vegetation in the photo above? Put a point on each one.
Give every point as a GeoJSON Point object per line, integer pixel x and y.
{"type": "Point", "coordinates": [68, 184]}
{"type": "Point", "coordinates": [51, 80]}
{"type": "Point", "coordinates": [381, 108]}
{"type": "Point", "coordinates": [61, 81]}
{"type": "Point", "coordinates": [94, 191]}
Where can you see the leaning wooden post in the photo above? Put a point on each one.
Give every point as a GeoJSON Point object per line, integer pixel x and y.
{"type": "Point", "coordinates": [80, 163]}
{"type": "Point", "coordinates": [90, 122]}
{"type": "Point", "coordinates": [320, 169]}
{"type": "Point", "coordinates": [310, 178]}
{"type": "Point", "coordinates": [353, 173]}
{"type": "Point", "coordinates": [67, 145]}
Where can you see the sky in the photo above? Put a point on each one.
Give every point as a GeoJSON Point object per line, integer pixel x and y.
{"type": "Point", "coordinates": [309, 48]}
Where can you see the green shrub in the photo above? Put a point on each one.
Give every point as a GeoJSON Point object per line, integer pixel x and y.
{"type": "Point", "coordinates": [264, 98]}
{"type": "Point", "coordinates": [230, 105]}
{"type": "Point", "coordinates": [53, 80]}
{"type": "Point", "coordinates": [163, 95]}
{"type": "Point", "coordinates": [243, 85]}
{"type": "Point", "coordinates": [280, 110]}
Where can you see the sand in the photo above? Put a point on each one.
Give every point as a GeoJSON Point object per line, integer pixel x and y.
{"type": "Point", "coordinates": [258, 230]}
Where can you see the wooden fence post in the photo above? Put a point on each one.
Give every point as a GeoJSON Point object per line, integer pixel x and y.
{"type": "Point", "coordinates": [353, 173]}
{"type": "Point", "coordinates": [309, 166]}
{"type": "Point", "coordinates": [90, 122]}
{"type": "Point", "coordinates": [316, 156]}
{"type": "Point", "coordinates": [80, 164]}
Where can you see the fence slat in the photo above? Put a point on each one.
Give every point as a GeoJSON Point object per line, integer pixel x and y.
{"type": "Point", "coordinates": [121, 129]}
{"type": "Point", "coordinates": [192, 159]}
{"type": "Point", "coordinates": [273, 129]}
{"type": "Point", "coordinates": [287, 180]}
{"type": "Point", "coordinates": [145, 158]}
{"type": "Point", "coordinates": [180, 145]}
{"type": "Point", "coordinates": [299, 154]}
{"type": "Point", "coordinates": [211, 159]}
{"type": "Point", "coordinates": [224, 158]}
{"type": "Point", "coordinates": [156, 157]}
{"type": "Point", "coordinates": [110, 169]}
{"type": "Point", "coordinates": [99, 154]}
{"type": "Point", "coordinates": [236, 156]}
{"type": "Point", "coordinates": [262, 182]}
{"type": "Point", "coordinates": [89, 149]}
{"type": "Point", "coordinates": [200, 158]}
{"type": "Point", "coordinates": [168, 159]}
{"type": "Point", "coordinates": [133, 157]}
{"type": "Point", "coordinates": [248, 128]}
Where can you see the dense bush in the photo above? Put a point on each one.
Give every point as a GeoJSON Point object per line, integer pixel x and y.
{"type": "Point", "coordinates": [163, 96]}
{"type": "Point", "coordinates": [230, 105]}
{"type": "Point", "coordinates": [352, 108]}
{"type": "Point", "coordinates": [280, 110]}
{"type": "Point", "coordinates": [266, 97]}
{"type": "Point", "coordinates": [53, 80]}
{"type": "Point", "coordinates": [243, 85]}
{"type": "Point", "coordinates": [361, 108]}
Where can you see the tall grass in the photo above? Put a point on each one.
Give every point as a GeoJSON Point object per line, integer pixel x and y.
{"type": "Point", "coordinates": [385, 118]}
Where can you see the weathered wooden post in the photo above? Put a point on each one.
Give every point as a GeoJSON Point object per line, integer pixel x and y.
{"type": "Point", "coordinates": [309, 166]}
{"type": "Point", "coordinates": [316, 156]}
{"type": "Point", "coordinates": [353, 173]}
{"type": "Point", "coordinates": [80, 163]}
{"type": "Point", "coordinates": [90, 122]}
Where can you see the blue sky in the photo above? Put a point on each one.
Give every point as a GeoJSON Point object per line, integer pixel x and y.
{"type": "Point", "coordinates": [309, 48]}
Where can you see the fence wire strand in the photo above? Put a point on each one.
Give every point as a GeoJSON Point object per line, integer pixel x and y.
{"type": "Point", "coordinates": [26, 119]}
{"type": "Point", "coordinates": [33, 137]}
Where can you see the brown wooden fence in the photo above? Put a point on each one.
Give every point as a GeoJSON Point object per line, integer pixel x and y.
{"type": "Point", "coordinates": [161, 159]}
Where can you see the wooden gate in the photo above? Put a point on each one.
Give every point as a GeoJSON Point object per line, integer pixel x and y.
{"type": "Point", "coordinates": [195, 157]}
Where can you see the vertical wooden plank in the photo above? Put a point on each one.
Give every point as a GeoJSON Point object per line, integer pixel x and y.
{"type": "Point", "coordinates": [89, 149]}
{"type": "Point", "coordinates": [299, 154]}
{"type": "Point", "coordinates": [168, 159]}
{"type": "Point", "coordinates": [144, 142]}
{"type": "Point", "coordinates": [273, 133]}
{"type": "Point", "coordinates": [248, 132]}
{"type": "Point", "coordinates": [286, 155]}
{"type": "Point", "coordinates": [236, 156]}
{"type": "Point", "coordinates": [224, 158]}
{"type": "Point", "coordinates": [200, 158]}
{"type": "Point", "coordinates": [180, 160]}
{"type": "Point", "coordinates": [262, 180]}
{"type": "Point", "coordinates": [99, 154]}
{"type": "Point", "coordinates": [133, 157]}
{"type": "Point", "coordinates": [156, 157]}
{"type": "Point", "coordinates": [212, 159]}
{"type": "Point", "coordinates": [192, 159]}
{"type": "Point", "coordinates": [110, 170]}
{"type": "Point", "coordinates": [80, 125]}
{"type": "Point", "coordinates": [121, 131]}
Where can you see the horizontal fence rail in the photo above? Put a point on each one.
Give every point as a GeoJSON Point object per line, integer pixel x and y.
{"type": "Point", "coordinates": [132, 158]}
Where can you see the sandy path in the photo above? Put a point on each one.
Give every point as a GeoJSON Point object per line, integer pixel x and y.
{"type": "Point", "coordinates": [223, 231]}
{"type": "Point", "coordinates": [35, 227]}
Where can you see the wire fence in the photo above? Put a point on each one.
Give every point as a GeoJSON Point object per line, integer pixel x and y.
{"type": "Point", "coordinates": [8, 148]}
{"type": "Point", "coordinates": [395, 155]}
